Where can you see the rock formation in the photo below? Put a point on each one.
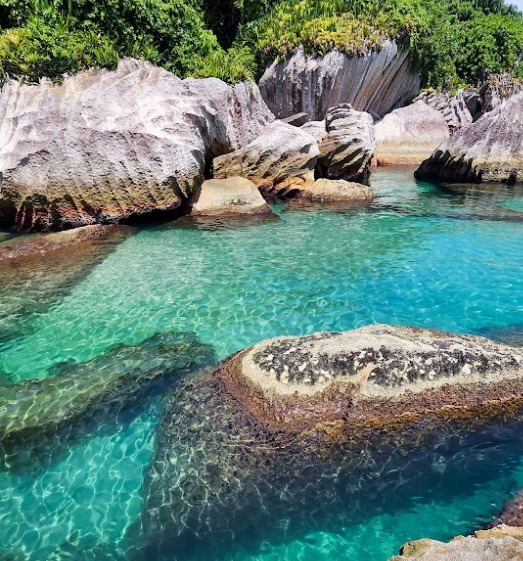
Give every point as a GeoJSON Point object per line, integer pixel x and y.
{"type": "Point", "coordinates": [409, 135]}
{"type": "Point", "coordinates": [224, 197]}
{"type": "Point", "coordinates": [499, 544]}
{"type": "Point", "coordinates": [105, 146]}
{"type": "Point", "coordinates": [293, 428]}
{"type": "Point", "coordinates": [35, 410]}
{"type": "Point", "coordinates": [455, 109]}
{"type": "Point", "coordinates": [347, 148]}
{"type": "Point", "coordinates": [497, 89]}
{"type": "Point", "coordinates": [330, 192]}
{"type": "Point", "coordinates": [489, 150]}
{"type": "Point", "coordinates": [377, 82]}
{"type": "Point", "coordinates": [281, 154]}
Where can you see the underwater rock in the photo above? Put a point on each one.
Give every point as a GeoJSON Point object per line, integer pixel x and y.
{"type": "Point", "coordinates": [499, 544]}
{"type": "Point", "coordinates": [38, 269]}
{"type": "Point", "coordinates": [33, 410]}
{"type": "Point", "coordinates": [110, 145]}
{"type": "Point", "coordinates": [231, 196]}
{"type": "Point", "coordinates": [378, 82]}
{"type": "Point", "coordinates": [347, 148]}
{"type": "Point", "coordinates": [280, 154]}
{"type": "Point", "coordinates": [409, 135]}
{"type": "Point", "coordinates": [488, 151]}
{"type": "Point", "coordinates": [512, 512]}
{"type": "Point", "coordinates": [281, 436]}
{"type": "Point", "coordinates": [336, 191]}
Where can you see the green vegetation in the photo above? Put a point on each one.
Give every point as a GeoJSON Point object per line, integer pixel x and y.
{"type": "Point", "coordinates": [452, 42]}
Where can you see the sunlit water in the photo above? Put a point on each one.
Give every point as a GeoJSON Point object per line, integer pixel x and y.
{"type": "Point", "coordinates": [420, 256]}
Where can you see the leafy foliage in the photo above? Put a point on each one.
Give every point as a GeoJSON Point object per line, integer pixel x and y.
{"type": "Point", "coordinates": [452, 42]}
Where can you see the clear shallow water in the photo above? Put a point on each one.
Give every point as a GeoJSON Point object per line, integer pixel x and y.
{"type": "Point", "coordinates": [420, 257]}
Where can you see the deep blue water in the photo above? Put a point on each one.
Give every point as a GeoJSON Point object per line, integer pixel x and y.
{"type": "Point", "coordinates": [420, 256]}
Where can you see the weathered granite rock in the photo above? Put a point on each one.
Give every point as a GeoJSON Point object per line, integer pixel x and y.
{"type": "Point", "coordinates": [498, 544]}
{"type": "Point", "coordinates": [34, 410]}
{"type": "Point", "coordinates": [455, 109]}
{"type": "Point", "coordinates": [225, 197]}
{"type": "Point", "coordinates": [497, 89]}
{"type": "Point", "coordinates": [317, 129]}
{"type": "Point", "coordinates": [110, 145]}
{"type": "Point", "coordinates": [280, 154]}
{"type": "Point", "coordinates": [280, 437]}
{"type": "Point", "coordinates": [489, 150]}
{"type": "Point", "coordinates": [347, 149]}
{"type": "Point", "coordinates": [409, 135]}
{"type": "Point", "coordinates": [378, 82]}
{"type": "Point", "coordinates": [39, 269]}
{"type": "Point", "coordinates": [337, 192]}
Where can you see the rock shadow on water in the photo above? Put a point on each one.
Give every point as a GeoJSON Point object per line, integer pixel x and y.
{"type": "Point", "coordinates": [243, 457]}
{"type": "Point", "coordinates": [40, 419]}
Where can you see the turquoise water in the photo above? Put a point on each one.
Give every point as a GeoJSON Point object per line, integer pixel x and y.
{"type": "Point", "coordinates": [420, 256]}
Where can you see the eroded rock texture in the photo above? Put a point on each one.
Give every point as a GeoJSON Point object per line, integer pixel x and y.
{"type": "Point", "coordinates": [333, 193]}
{"type": "Point", "coordinates": [280, 154]}
{"type": "Point", "coordinates": [280, 438]}
{"type": "Point", "coordinates": [105, 146]}
{"type": "Point", "coordinates": [489, 150]}
{"type": "Point", "coordinates": [376, 82]}
{"type": "Point", "coordinates": [410, 134]}
{"type": "Point", "coordinates": [455, 109]}
{"type": "Point", "coordinates": [347, 148]}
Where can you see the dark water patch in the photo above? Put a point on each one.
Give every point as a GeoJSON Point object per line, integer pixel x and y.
{"type": "Point", "coordinates": [510, 334]}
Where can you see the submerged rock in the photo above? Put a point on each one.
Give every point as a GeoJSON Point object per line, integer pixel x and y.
{"type": "Point", "coordinates": [282, 436]}
{"type": "Point", "coordinates": [488, 151]}
{"type": "Point", "coordinates": [499, 544]}
{"type": "Point", "coordinates": [232, 196]}
{"type": "Point", "coordinates": [347, 148]}
{"type": "Point", "coordinates": [281, 154]}
{"type": "Point", "coordinates": [111, 145]}
{"type": "Point", "coordinates": [38, 269]}
{"type": "Point", "coordinates": [409, 135]}
{"type": "Point", "coordinates": [33, 410]}
{"type": "Point", "coordinates": [377, 82]}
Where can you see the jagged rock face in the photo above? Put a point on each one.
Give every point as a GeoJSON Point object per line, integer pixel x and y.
{"type": "Point", "coordinates": [498, 544]}
{"type": "Point", "coordinates": [225, 197]}
{"type": "Point", "coordinates": [83, 393]}
{"type": "Point", "coordinates": [104, 146]}
{"type": "Point", "coordinates": [489, 150]}
{"type": "Point", "coordinates": [377, 82]}
{"type": "Point", "coordinates": [293, 429]}
{"type": "Point", "coordinates": [317, 129]}
{"type": "Point", "coordinates": [347, 149]}
{"type": "Point", "coordinates": [410, 134]}
{"type": "Point", "coordinates": [455, 109]}
{"type": "Point", "coordinates": [498, 88]}
{"type": "Point", "coordinates": [280, 153]}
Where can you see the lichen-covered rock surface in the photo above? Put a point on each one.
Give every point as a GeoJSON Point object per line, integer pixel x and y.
{"type": "Point", "coordinates": [111, 145]}
{"type": "Point", "coordinates": [409, 135]}
{"type": "Point", "coordinates": [282, 436]}
{"type": "Point", "coordinates": [488, 151]}
{"type": "Point", "coordinates": [498, 544]}
{"type": "Point", "coordinates": [377, 82]}
{"type": "Point", "coordinates": [232, 196]}
{"type": "Point", "coordinates": [347, 148]}
{"type": "Point", "coordinates": [281, 154]}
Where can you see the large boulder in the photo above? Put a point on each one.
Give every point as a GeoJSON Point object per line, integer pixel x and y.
{"type": "Point", "coordinates": [225, 197]}
{"type": "Point", "coordinates": [347, 148]}
{"type": "Point", "coordinates": [456, 108]}
{"type": "Point", "coordinates": [377, 82]}
{"type": "Point", "coordinates": [499, 544]}
{"type": "Point", "coordinates": [110, 145]}
{"type": "Point", "coordinates": [282, 436]}
{"type": "Point", "coordinates": [280, 156]}
{"type": "Point", "coordinates": [333, 192]}
{"type": "Point", "coordinates": [409, 135]}
{"type": "Point", "coordinates": [489, 150]}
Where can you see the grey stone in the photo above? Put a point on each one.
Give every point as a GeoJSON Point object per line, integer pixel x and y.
{"type": "Point", "coordinates": [378, 82]}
